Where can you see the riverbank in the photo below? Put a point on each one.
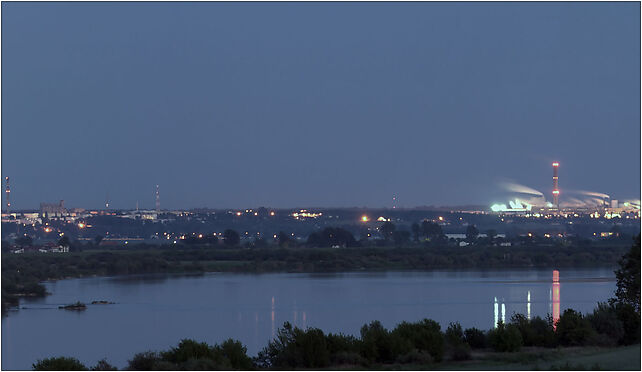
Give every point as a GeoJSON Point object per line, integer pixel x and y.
{"type": "Point", "coordinates": [624, 358]}
{"type": "Point", "coordinates": [22, 274]}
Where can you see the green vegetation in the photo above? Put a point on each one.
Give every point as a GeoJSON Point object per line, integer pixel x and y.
{"type": "Point", "coordinates": [59, 364]}
{"type": "Point", "coordinates": [418, 345]}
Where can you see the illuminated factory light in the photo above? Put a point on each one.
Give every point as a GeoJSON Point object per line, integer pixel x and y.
{"type": "Point", "coordinates": [556, 164]}
{"type": "Point", "coordinates": [238, 213]}
{"type": "Point", "coordinates": [48, 229]}
{"type": "Point", "coordinates": [498, 207]}
{"type": "Point", "coordinates": [81, 225]}
{"type": "Point", "coordinates": [441, 218]}
{"type": "Point", "coordinates": [364, 218]}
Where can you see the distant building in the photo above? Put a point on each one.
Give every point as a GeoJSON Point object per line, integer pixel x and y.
{"type": "Point", "coordinates": [53, 210]}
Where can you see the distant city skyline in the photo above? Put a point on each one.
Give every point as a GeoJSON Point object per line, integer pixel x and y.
{"type": "Point", "coordinates": [231, 105]}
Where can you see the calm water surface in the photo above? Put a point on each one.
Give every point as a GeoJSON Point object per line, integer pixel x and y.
{"type": "Point", "coordinates": [155, 312]}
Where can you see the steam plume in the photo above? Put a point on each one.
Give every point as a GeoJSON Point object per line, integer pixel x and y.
{"type": "Point", "coordinates": [514, 187]}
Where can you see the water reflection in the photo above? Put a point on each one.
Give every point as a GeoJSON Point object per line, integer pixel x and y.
{"type": "Point", "coordinates": [496, 313]}
{"type": "Point", "coordinates": [272, 317]}
{"type": "Point", "coordinates": [528, 305]}
{"type": "Point", "coordinates": [554, 303]}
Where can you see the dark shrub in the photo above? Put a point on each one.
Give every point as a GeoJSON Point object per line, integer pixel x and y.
{"type": "Point", "coordinates": [200, 364]}
{"type": "Point", "coordinates": [631, 321]}
{"type": "Point", "coordinates": [456, 346]}
{"type": "Point", "coordinates": [347, 358]}
{"type": "Point", "coordinates": [424, 336]}
{"type": "Point", "coordinates": [459, 352]}
{"type": "Point", "coordinates": [103, 365]}
{"type": "Point", "coordinates": [275, 352]}
{"type": "Point", "coordinates": [604, 320]}
{"type": "Point", "coordinates": [415, 356]}
{"type": "Point", "coordinates": [235, 353]}
{"type": "Point", "coordinates": [59, 364]}
{"type": "Point", "coordinates": [475, 338]}
{"type": "Point", "coordinates": [454, 333]}
{"type": "Point", "coordinates": [188, 349]}
{"type": "Point", "coordinates": [144, 361]}
{"type": "Point", "coordinates": [535, 332]}
{"type": "Point", "coordinates": [295, 348]}
{"type": "Point", "coordinates": [311, 349]}
{"type": "Point", "coordinates": [376, 343]}
{"type": "Point", "coordinates": [340, 343]}
{"type": "Point", "coordinates": [505, 338]}
{"type": "Point", "coordinates": [573, 329]}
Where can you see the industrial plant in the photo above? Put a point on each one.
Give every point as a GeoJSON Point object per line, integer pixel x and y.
{"type": "Point", "coordinates": [531, 202]}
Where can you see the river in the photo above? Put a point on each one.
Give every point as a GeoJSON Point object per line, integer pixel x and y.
{"type": "Point", "coordinates": [153, 312]}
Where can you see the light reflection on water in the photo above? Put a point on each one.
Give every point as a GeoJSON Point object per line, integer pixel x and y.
{"type": "Point", "coordinates": [155, 312]}
{"type": "Point", "coordinates": [554, 303]}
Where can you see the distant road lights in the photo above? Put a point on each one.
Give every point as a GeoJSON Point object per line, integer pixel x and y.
{"type": "Point", "coordinates": [81, 225]}
{"type": "Point", "coordinates": [272, 213]}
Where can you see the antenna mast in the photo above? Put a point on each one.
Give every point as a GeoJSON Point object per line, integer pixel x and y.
{"type": "Point", "coordinates": [157, 199]}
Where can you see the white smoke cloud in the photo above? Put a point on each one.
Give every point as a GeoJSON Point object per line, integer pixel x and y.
{"type": "Point", "coordinates": [514, 187]}
{"type": "Point", "coordinates": [592, 193]}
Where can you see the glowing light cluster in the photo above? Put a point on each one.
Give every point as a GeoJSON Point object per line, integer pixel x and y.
{"type": "Point", "coordinates": [303, 213]}
{"type": "Point", "coordinates": [516, 205]}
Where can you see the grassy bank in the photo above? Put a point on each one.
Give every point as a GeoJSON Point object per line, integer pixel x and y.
{"type": "Point", "coordinates": [625, 358]}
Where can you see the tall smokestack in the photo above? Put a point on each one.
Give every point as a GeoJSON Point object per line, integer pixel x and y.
{"type": "Point", "coordinates": [157, 199]}
{"type": "Point", "coordinates": [7, 192]}
{"type": "Point", "coordinates": [556, 190]}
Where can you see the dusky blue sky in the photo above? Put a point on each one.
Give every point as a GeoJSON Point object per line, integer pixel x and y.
{"type": "Point", "coordinates": [317, 104]}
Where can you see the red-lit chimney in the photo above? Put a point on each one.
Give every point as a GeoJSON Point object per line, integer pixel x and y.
{"type": "Point", "coordinates": [556, 190]}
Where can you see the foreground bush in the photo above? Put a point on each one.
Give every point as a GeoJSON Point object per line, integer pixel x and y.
{"type": "Point", "coordinates": [192, 355]}
{"type": "Point", "coordinates": [475, 338]}
{"type": "Point", "coordinates": [573, 329]}
{"type": "Point", "coordinates": [424, 336]}
{"type": "Point", "coordinates": [377, 344]}
{"type": "Point", "coordinates": [604, 320]}
{"type": "Point", "coordinates": [456, 345]}
{"type": "Point", "coordinates": [535, 332]}
{"type": "Point", "coordinates": [59, 364]}
{"type": "Point", "coordinates": [295, 348]}
{"type": "Point", "coordinates": [505, 338]}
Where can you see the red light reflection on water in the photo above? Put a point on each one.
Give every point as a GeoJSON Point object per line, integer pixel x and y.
{"type": "Point", "coordinates": [556, 298]}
